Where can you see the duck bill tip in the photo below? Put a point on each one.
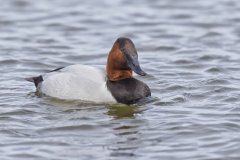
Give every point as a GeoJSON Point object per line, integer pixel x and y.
{"type": "Point", "coordinates": [134, 65]}
{"type": "Point", "coordinates": [138, 70]}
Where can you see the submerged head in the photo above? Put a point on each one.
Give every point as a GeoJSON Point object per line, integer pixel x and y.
{"type": "Point", "coordinates": [122, 60]}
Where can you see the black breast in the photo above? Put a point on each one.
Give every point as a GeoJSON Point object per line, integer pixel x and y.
{"type": "Point", "coordinates": [128, 91]}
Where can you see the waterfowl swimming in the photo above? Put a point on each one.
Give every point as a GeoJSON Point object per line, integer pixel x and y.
{"type": "Point", "coordinates": [89, 83]}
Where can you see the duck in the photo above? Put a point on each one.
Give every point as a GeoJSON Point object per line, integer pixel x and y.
{"type": "Point", "coordinates": [114, 84]}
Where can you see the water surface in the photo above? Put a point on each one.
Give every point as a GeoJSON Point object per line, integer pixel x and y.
{"type": "Point", "coordinates": [190, 49]}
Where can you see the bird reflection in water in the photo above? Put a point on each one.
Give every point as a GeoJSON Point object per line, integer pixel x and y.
{"type": "Point", "coordinates": [122, 111]}
{"type": "Point", "coordinates": [127, 127]}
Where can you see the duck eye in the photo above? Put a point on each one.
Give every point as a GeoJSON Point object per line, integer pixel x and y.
{"type": "Point", "coordinates": [128, 57]}
{"type": "Point", "coordinates": [124, 51]}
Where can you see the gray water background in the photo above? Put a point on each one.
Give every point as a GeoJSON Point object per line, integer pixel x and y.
{"type": "Point", "coordinates": [189, 48]}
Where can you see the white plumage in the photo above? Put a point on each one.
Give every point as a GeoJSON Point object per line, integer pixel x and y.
{"type": "Point", "coordinates": [82, 82]}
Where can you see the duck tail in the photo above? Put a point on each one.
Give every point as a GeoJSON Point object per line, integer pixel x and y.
{"type": "Point", "coordinates": [30, 79]}
{"type": "Point", "coordinates": [35, 80]}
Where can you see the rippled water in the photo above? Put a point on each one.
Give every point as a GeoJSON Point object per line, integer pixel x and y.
{"type": "Point", "coordinates": [190, 49]}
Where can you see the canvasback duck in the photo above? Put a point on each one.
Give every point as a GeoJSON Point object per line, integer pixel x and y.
{"type": "Point", "coordinates": [89, 83]}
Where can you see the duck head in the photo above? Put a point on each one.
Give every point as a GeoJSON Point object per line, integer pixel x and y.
{"type": "Point", "coordinates": [122, 60]}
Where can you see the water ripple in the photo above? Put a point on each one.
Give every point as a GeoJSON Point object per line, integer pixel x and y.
{"type": "Point", "coordinates": [190, 50]}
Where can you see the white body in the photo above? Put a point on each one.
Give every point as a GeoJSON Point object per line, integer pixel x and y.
{"type": "Point", "coordinates": [77, 82]}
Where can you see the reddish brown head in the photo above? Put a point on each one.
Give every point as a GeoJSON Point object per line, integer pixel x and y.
{"type": "Point", "coordinates": [122, 60]}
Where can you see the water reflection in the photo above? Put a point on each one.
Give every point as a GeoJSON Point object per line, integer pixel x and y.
{"type": "Point", "coordinates": [85, 119]}
{"type": "Point", "coordinates": [194, 74]}
{"type": "Point", "coordinates": [122, 111]}
{"type": "Point", "coordinates": [127, 126]}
